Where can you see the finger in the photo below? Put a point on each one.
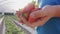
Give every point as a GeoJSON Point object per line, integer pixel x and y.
{"type": "Point", "coordinates": [24, 20]}
{"type": "Point", "coordinates": [37, 14]}
{"type": "Point", "coordinates": [41, 22]}
{"type": "Point", "coordinates": [27, 23]}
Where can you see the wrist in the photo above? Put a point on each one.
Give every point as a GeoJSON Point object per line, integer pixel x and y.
{"type": "Point", "coordinates": [56, 11]}
{"type": "Point", "coordinates": [52, 10]}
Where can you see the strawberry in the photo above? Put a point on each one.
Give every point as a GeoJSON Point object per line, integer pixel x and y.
{"type": "Point", "coordinates": [27, 10]}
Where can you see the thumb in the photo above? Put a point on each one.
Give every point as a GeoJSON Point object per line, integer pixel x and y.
{"type": "Point", "coordinates": [37, 14]}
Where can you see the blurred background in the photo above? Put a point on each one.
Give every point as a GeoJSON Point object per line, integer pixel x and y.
{"type": "Point", "coordinates": [9, 21]}
{"type": "Point", "coordinates": [12, 5]}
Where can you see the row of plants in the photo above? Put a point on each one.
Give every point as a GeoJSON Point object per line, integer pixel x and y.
{"type": "Point", "coordinates": [15, 17]}
{"type": "Point", "coordinates": [1, 16]}
{"type": "Point", "coordinates": [11, 28]}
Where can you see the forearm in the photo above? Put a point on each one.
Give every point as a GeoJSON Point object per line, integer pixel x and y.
{"type": "Point", "coordinates": [57, 13]}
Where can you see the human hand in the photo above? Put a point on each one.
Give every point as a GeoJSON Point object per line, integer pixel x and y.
{"type": "Point", "coordinates": [45, 14]}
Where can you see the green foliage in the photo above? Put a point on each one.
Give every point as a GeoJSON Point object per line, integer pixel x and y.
{"type": "Point", "coordinates": [11, 28]}
{"type": "Point", "coordinates": [16, 17]}
{"type": "Point", "coordinates": [1, 16]}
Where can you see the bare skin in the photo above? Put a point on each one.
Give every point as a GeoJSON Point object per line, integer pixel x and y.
{"type": "Point", "coordinates": [47, 12]}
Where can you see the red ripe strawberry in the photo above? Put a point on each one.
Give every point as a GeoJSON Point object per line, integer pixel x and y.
{"type": "Point", "coordinates": [27, 10]}
{"type": "Point", "coordinates": [33, 19]}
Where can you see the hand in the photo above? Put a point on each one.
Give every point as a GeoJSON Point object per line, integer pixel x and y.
{"type": "Point", "coordinates": [45, 13]}
{"type": "Point", "coordinates": [26, 22]}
